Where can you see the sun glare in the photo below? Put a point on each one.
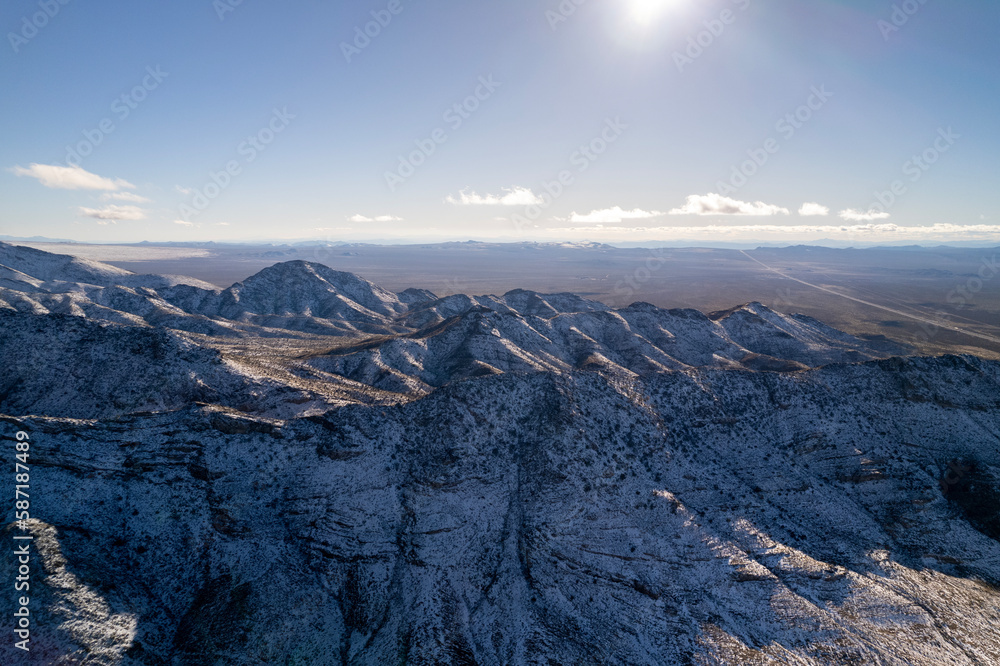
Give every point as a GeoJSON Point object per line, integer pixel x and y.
{"type": "Point", "coordinates": [645, 11]}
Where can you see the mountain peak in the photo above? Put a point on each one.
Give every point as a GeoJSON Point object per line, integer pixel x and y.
{"type": "Point", "coordinates": [301, 287]}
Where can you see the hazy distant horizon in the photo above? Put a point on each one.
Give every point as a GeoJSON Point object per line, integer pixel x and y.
{"type": "Point", "coordinates": [637, 244]}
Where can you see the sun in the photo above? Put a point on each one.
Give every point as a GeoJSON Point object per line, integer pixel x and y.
{"type": "Point", "coordinates": [645, 11]}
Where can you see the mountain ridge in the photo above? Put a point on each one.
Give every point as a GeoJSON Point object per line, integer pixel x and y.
{"type": "Point", "coordinates": [299, 298]}
{"type": "Point", "coordinates": [225, 476]}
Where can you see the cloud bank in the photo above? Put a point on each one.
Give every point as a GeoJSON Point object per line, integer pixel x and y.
{"type": "Point", "coordinates": [613, 215]}
{"type": "Point", "coordinates": [716, 204]}
{"type": "Point", "coordinates": [813, 210]}
{"type": "Point", "coordinates": [516, 196]}
{"type": "Point", "coordinates": [380, 218]}
{"type": "Point", "coordinates": [114, 213]}
{"type": "Point", "coordinates": [124, 196]}
{"type": "Point", "coordinates": [70, 178]}
{"type": "Point", "coordinates": [852, 215]}
{"type": "Point", "coordinates": [869, 233]}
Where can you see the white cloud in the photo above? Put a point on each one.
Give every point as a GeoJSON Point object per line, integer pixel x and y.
{"type": "Point", "coordinates": [516, 196]}
{"type": "Point", "coordinates": [613, 215]}
{"type": "Point", "coordinates": [114, 213]}
{"type": "Point", "coordinates": [852, 215]}
{"type": "Point", "coordinates": [885, 232]}
{"type": "Point", "coordinates": [716, 204]}
{"type": "Point", "coordinates": [184, 223]}
{"type": "Point", "coordinates": [813, 210]}
{"type": "Point", "coordinates": [124, 196]}
{"type": "Point", "coordinates": [69, 178]}
{"type": "Point", "coordinates": [380, 218]}
{"type": "Point", "coordinates": [183, 190]}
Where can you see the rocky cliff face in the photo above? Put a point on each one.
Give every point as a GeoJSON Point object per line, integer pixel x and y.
{"type": "Point", "coordinates": [533, 480]}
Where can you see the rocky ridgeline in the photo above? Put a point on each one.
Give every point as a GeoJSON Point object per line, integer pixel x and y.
{"type": "Point", "coordinates": [518, 479]}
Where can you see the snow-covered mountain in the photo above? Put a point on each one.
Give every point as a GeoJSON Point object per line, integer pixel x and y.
{"type": "Point", "coordinates": [308, 469]}
{"type": "Point", "coordinates": [489, 336]}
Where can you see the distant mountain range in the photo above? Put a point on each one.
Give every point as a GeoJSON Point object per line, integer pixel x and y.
{"type": "Point", "coordinates": [306, 468]}
{"type": "Point", "coordinates": [35, 239]}
{"type": "Point", "coordinates": [826, 243]}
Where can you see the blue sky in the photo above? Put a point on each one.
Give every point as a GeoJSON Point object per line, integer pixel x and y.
{"type": "Point", "coordinates": [637, 120]}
